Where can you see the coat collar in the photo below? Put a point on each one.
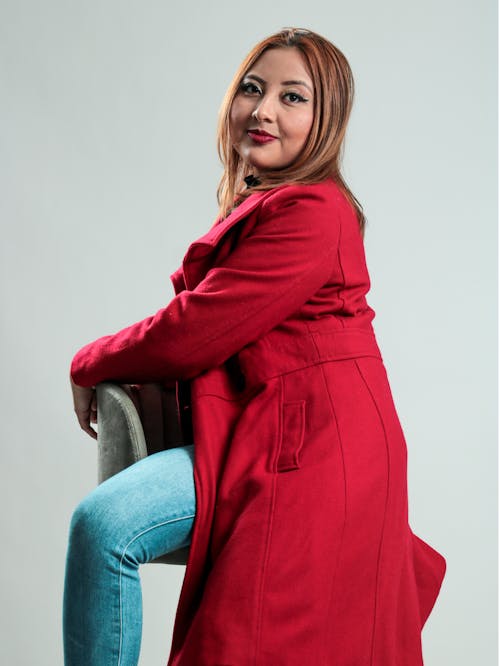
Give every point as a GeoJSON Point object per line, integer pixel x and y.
{"type": "Point", "coordinates": [220, 227]}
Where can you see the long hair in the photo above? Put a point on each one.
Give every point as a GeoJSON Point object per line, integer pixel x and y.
{"type": "Point", "coordinates": [323, 151]}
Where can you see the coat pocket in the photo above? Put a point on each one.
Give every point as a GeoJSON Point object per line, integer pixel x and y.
{"type": "Point", "coordinates": [292, 435]}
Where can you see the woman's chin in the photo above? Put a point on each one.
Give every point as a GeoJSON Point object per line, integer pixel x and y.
{"type": "Point", "coordinates": [261, 165]}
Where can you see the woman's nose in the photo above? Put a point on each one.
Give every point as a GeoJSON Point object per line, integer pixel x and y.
{"type": "Point", "coordinates": [265, 109]}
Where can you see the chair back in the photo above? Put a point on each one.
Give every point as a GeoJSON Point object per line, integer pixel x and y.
{"type": "Point", "coordinates": [133, 422]}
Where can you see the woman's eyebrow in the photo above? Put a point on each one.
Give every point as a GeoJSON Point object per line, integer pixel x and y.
{"type": "Point", "coordinates": [283, 83]}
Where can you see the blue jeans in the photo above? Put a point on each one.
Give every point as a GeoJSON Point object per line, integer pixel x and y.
{"type": "Point", "coordinates": [142, 512]}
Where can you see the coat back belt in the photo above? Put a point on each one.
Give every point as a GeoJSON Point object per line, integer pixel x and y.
{"type": "Point", "coordinates": [282, 351]}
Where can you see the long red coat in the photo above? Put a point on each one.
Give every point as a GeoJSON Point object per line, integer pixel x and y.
{"type": "Point", "coordinates": [301, 550]}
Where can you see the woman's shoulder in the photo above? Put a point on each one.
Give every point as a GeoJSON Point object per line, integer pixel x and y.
{"type": "Point", "coordinates": [310, 213]}
{"type": "Point", "coordinates": [326, 192]}
{"type": "Point", "coordinates": [322, 203]}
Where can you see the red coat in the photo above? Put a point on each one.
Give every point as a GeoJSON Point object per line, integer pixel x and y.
{"type": "Point", "coordinates": [301, 550]}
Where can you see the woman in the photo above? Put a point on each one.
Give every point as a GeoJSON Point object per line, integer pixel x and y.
{"type": "Point", "coordinates": [293, 493]}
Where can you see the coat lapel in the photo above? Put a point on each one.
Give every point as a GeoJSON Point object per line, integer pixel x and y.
{"type": "Point", "coordinates": [219, 228]}
{"type": "Point", "coordinates": [196, 261]}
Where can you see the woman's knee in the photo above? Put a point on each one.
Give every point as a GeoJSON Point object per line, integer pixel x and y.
{"type": "Point", "coordinates": [93, 522]}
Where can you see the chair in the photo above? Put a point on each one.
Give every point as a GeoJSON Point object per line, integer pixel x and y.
{"type": "Point", "coordinates": [134, 421]}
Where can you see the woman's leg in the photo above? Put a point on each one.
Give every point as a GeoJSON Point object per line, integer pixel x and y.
{"type": "Point", "coordinates": [142, 512]}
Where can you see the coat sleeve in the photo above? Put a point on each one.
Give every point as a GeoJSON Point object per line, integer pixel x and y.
{"type": "Point", "coordinates": [271, 273]}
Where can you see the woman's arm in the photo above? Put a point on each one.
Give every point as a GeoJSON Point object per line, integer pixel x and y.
{"type": "Point", "coordinates": [270, 274]}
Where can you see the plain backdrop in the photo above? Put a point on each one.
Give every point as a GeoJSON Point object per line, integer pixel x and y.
{"type": "Point", "coordinates": [108, 167]}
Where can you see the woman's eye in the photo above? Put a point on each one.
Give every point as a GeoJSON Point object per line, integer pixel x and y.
{"type": "Point", "coordinates": [246, 87]}
{"type": "Point", "coordinates": [297, 96]}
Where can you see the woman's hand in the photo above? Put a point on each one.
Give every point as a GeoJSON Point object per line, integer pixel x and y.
{"type": "Point", "coordinates": [85, 404]}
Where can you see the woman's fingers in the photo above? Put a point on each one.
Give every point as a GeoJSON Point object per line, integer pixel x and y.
{"type": "Point", "coordinates": [84, 421]}
{"type": "Point", "coordinates": [93, 408]}
{"type": "Point", "coordinates": [85, 406]}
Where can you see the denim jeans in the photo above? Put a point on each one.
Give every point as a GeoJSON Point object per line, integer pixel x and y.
{"type": "Point", "coordinates": [142, 512]}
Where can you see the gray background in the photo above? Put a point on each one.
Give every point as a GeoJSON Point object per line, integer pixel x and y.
{"type": "Point", "coordinates": [108, 172]}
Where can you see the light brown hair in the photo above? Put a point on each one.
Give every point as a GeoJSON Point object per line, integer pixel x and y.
{"type": "Point", "coordinates": [323, 151]}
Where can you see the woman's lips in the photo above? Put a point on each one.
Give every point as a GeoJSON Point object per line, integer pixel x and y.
{"type": "Point", "coordinates": [260, 138]}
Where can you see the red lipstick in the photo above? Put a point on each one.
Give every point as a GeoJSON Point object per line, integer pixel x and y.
{"type": "Point", "coordinates": [260, 137]}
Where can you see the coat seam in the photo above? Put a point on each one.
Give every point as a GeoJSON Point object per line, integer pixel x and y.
{"type": "Point", "coordinates": [379, 555]}
{"type": "Point", "coordinates": [247, 392]}
{"type": "Point", "coordinates": [341, 291]}
{"type": "Point", "coordinates": [341, 544]}
{"type": "Point", "coordinates": [320, 361]}
{"type": "Point", "coordinates": [334, 578]}
{"type": "Point", "coordinates": [270, 518]}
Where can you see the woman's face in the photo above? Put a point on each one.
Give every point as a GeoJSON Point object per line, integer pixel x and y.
{"type": "Point", "coordinates": [279, 92]}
